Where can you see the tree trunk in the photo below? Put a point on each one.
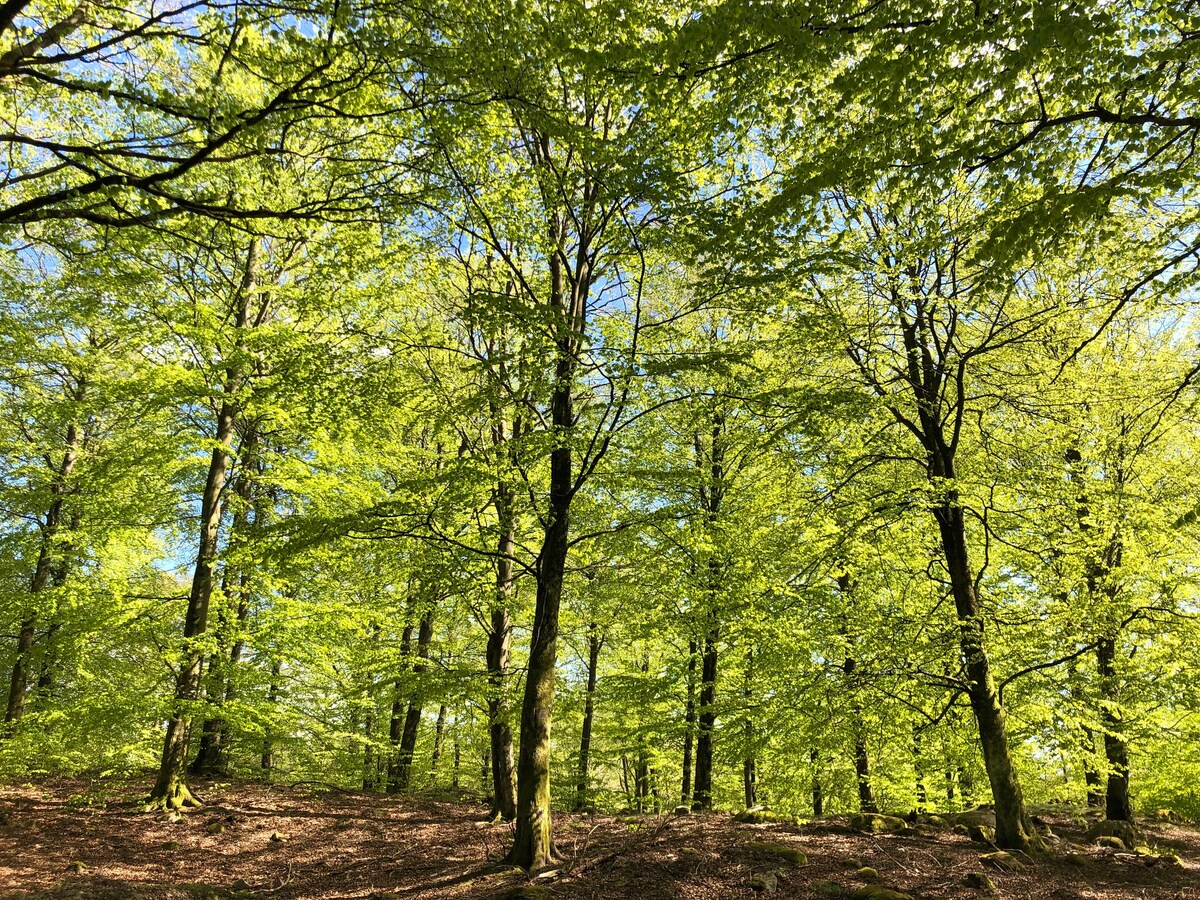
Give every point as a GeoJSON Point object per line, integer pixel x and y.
{"type": "Point", "coordinates": [43, 571]}
{"type": "Point", "coordinates": [1116, 751]}
{"type": "Point", "coordinates": [706, 721]}
{"type": "Point", "coordinates": [689, 725]}
{"type": "Point", "coordinates": [749, 766]}
{"type": "Point", "coordinates": [499, 643]}
{"type": "Point", "coordinates": [412, 718]}
{"type": "Point", "coordinates": [533, 842]}
{"type": "Point", "coordinates": [1091, 773]}
{"type": "Point", "coordinates": [396, 721]}
{"type": "Point", "coordinates": [171, 790]}
{"type": "Point", "coordinates": [212, 757]}
{"type": "Point", "coordinates": [267, 762]}
{"type": "Point", "coordinates": [439, 734]}
{"type": "Point", "coordinates": [589, 708]}
{"type": "Point", "coordinates": [818, 799]}
{"type": "Point", "coordinates": [369, 781]}
{"type": "Point", "coordinates": [1014, 829]}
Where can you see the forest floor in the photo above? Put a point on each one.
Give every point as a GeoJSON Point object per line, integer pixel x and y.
{"type": "Point", "coordinates": [74, 839]}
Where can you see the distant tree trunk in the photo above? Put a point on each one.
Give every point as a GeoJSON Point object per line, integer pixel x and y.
{"type": "Point", "coordinates": [689, 725]}
{"type": "Point", "coordinates": [439, 733]}
{"type": "Point", "coordinates": [369, 781]}
{"type": "Point", "coordinates": [702, 794]}
{"type": "Point", "coordinates": [454, 781]}
{"type": "Point", "coordinates": [499, 643]}
{"type": "Point", "coordinates": [171, 790]}
{"type": "Point", "coordinates": [589, 709]}
{"type": "Point", "coordinates": [919, 772]}
{"type": "Point", "coordinates": [818, 799]}
{"type": "Point", "coordinates": [1091, 774]}
{"type": "Point", "coordinates": [1116, 751]}
{"type": "Point", "coordinates": [712, 492]}
{"type": "Point", "coordinates": [412, 718]}
{"type": "Point", "coordinates": [862, 762]}
{"type": "Point", "coordinates": [749, 766]}
{"type": "Point", "coordinates": [396, 720]}
{"type": "Point", "coordinates": [267, 763]}
{"type": "Point", "coordinates": [48, 562]}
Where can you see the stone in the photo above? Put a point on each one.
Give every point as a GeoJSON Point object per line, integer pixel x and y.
{"type": "Point", "coordinates": [980, 881]}
{"type": "Point", "coordinates": [77, 868]}
{"type": "Point", "coordinates": [1111, 841]}
{"type": "Point", "coordinates": [240, 885]}
{"type": "Point", "coordinates": [937, 822]}
{"type": "Point", "coordinates": [961, 829]}
{"type": "Point", "coordinates": [866, 873]}
{"type": "Point", "coordinates": [878, 892]}
{"type": "Point", "coordinates": [1128, 832]}
{"type": "Point", "coordinates": [278, 837]}
{"type": "Point", "coordinates": [794, 855]}
{"type": "Point", "coordinates": [981, 834]}
{"type": "Point", "coordinates": [1001, 861]}
{"type": "Point", "coordinates": [683, 810]}
{"type": "Point", "coordinates": [765, 882]}
{"type": "Point", "coordinates": [876, 823]}
{"type": "Point", "coordinates": [853, 863]}
{"type": "Point", "coordinates": [214, 827]}
{"type": "Point", "coordinates": [827, 888]}
{"type": "Point", "coordinates": [169, 845]}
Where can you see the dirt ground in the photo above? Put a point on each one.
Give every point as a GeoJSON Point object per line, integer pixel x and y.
{"type": "Point", "coordinates": [71, 839]}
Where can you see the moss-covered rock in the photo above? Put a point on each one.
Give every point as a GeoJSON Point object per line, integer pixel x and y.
{"type": "Point", "coordinates": [762, 817]}
{"type": "Point", "coordinates": [876, 823]}
{"type": "Point", "coordinates": [866, 873]}
{"type": "Point", "coordinates": [793, 855]}
{"type": "Point", "coordinates": [979, 881]}
{"type": "Point", "coordinates": [1111, 841]}
{"type": "Point", "coordinates": [1128, 833]}
{"type": "Point", "coordinates": [936, 821]}
{"type": "Point", "coordinates": [878, 892]}
{"type": "Point", "coordinates": [981, 834]}
{"type": "Point", "coordinates": [765, 882]}
{"type": "Point", "coordinates": [1001, 861]}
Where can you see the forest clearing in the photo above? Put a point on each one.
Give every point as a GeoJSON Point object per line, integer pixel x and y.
{"type": "Point", "coordinates": [601, 448]}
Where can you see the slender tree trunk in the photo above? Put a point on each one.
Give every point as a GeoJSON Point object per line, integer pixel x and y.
{"type": "Point", "coordinates": [267, 762]}
{"type": "Point", "coordinates": [212, 757]}
{"type": "Point", "coordinates": [171, 790]}
{"type": "Point", "coordinates": [1091, 773]}
{"type": "Point", "coordinates": [1116, 751]}
{"type": "Point", "coordinates": [533, 843]}
{"type": "Point", "coordinates": [439, 734]}
{"type": "Point", "coordinates": [749, 765]}
{"type": "Point", "coordinates": [47, 564]}
{"type": "Point", "coordinates": [412, 718]}
{"type": "Point", "coordinates": [454, 781]}
{"type": "Point", "coordinates": [689, 725]}
{"type": "Point", "coordinates": [1014, 829]}
{"type": "Point", "coordinates": [396, 721]}
{"type": "Point", "coordinates": [589, 708]}
{"type": "Point", "coordinates": [818, 798]}
{"type": "Point", "coordinates": [504, 790]}
{"type": "Point", "coordinates": [706, 722]}
{"type": "Point", "coordinates": [369, 781]}
{"type": "Point", "coordinates": [919, 772]}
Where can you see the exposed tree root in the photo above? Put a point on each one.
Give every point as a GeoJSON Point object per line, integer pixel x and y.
{"type": "Point", "coordinates": [174, 800]}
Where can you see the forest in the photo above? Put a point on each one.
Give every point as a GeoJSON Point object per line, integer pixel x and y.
{"type": "Point", "coordinates": [568, 424]}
